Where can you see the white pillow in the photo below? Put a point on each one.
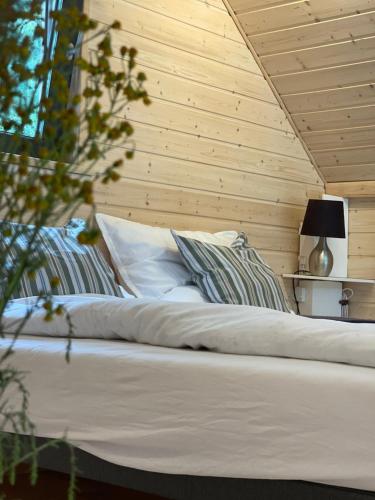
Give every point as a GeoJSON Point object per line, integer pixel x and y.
{"type": "Point", "coordinates": [147, 257]}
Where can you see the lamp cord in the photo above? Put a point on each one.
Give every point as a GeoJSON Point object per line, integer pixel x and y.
{"type": "Point", "coordinates": [295, 295]}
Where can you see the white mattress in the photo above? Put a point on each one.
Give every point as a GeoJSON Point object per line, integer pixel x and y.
{"type": "Point", "coordinates": [204, 413]}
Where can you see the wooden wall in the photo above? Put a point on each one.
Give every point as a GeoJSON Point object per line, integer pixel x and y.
{"type": "Point", "coordinates": [320, 55]}
{"type": "Point", "coordinates": [361, 241]}
{"type": "Point", "coordinates": [214, 150]}
{"type": "Point", "coordinates": [362, 255]}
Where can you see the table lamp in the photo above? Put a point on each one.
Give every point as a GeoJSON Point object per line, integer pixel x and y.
{"type": "Point", "coordinates": [323, 218]}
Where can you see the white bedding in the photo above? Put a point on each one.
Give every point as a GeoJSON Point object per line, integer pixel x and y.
{"type": "Point", "coordinates": [202, 413]}
{"type": "Point", "coordinates": [230, 329]}
{"type": "Point", "coordinates": [206, 413]}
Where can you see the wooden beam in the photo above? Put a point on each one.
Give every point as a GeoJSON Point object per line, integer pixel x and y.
{"type": "Point", "coordinates": [362, 189]}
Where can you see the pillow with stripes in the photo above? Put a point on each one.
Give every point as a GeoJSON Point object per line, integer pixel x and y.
{"type": "Point", "coordinates": [232, 275]}
{"type": "Point", "coordinates": [80, 268]}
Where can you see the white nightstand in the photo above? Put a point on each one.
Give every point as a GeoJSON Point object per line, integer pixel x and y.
{"type": "Point", "coordinates": [318, 296]}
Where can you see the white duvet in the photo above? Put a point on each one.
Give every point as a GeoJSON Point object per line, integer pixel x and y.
{"type": "Point", "coordinates": [183, 411]}
{"type": "Point", "coordinates": [227, 329]}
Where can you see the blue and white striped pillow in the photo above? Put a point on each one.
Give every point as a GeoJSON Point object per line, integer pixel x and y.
{"type": "Point", "coordinates": [80, 268]}
{"type": "Point", "coordinates": [232, 275]}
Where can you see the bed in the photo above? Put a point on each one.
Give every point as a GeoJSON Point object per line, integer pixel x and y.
{"type": "Point", "coordinates": [191, 390]}
{"type": "Point", "coordinates": [200, 413]}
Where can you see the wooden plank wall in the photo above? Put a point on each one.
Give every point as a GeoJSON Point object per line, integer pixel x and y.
{"type": "Point", "coordinates": [361, 242]}
{"type": "Point", "coordinates": [214, 150]}
{"type": "Point", "coordinates": [320, 55]}
{"type": "Point", "coordinates": [362, 255]}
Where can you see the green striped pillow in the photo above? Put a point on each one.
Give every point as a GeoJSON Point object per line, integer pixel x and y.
{"type": "Point", "coordinates": [232, 275]}
{"type": "Point", "coordinates": [80, 268]}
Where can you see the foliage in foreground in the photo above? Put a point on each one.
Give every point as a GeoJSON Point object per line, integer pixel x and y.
{"type": "Point", "coordinates": [53, 147]}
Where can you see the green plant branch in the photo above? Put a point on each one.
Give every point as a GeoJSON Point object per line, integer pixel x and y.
{"type": "Point", "coordinates": [35, 192]}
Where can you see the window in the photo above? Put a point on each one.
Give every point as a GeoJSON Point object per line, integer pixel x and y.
{"type": "Point", "coordinates": [32, 91]}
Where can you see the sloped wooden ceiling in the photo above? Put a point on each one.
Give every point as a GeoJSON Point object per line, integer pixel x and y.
{"type": "Point", "coordinates": [320, 57]}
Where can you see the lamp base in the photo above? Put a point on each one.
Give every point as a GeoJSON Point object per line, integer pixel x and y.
{"type": "Point", "coordinates": [321, 259]}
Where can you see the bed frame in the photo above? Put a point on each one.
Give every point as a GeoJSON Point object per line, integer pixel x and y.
{"type": "Point", "coordinates": [179, 487]}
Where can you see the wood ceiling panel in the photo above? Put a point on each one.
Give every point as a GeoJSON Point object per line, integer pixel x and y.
{"type": "Point", "coordinates": [356, 156]}
{"type": "Point", "coordinates": [359, 95]}
{"type": "Point", "coordinates": [335, 119]}
{"type": "Point", "coordinates": [349, 173]}
{"type": "Point", "coordinates": [329, 78]}
{"type": "Point", "coordinates": [316, 34]}
{"type": "Point", "coordinates": [319, 55]}
{"type": "Point", "coordinates": [346, 138]}
{"type": "Point", "coordinates": [347, 52]}
{"type": "Point", "coordinates": [300, 13]}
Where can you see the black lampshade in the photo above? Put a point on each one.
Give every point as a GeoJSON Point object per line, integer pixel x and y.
{"type": "Point", "coordinates": [324, 218]}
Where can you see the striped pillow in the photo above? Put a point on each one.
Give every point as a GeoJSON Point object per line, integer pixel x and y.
{"type": "Point", "coordinates": [80, 268]}
{"type": "Point", "coordinates": [232, 275]}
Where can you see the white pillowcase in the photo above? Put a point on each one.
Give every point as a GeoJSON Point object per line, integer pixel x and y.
{"type": "Point", "coordinates": [147, 257]}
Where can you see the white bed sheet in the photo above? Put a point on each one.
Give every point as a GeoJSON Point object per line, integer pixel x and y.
{"type": "Point", "coordinates": [203, 413]}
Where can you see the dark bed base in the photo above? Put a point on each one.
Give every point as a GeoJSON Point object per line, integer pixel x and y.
{"type": "Point", "coordinates": [194, 487]}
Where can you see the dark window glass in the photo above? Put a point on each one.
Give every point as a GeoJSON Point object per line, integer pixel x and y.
{"type": "Point", "coordinates": [32, 91]}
